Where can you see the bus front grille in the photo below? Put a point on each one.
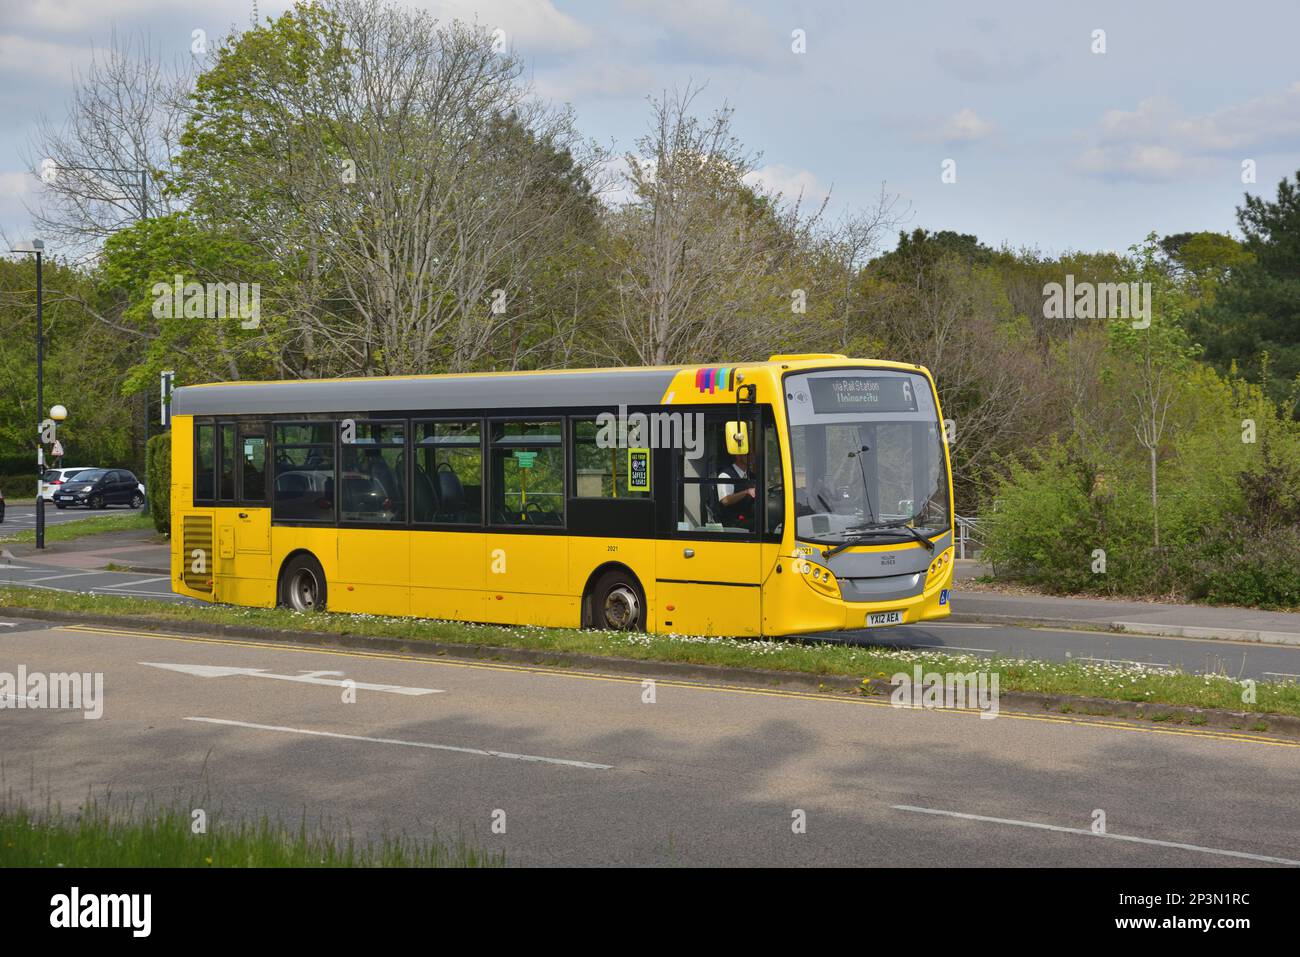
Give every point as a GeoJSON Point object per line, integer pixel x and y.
{"type": "Point", "coordinates": [196, 552]}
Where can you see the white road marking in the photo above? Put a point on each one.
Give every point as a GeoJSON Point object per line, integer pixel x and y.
{"type": "Point", "coordinates": [410, 744]}
{"type": "Point", "coordinates": [309, 677]}
{"type": "Point", "coordinates": [1089, 833]}
{"type": "Point", "coordinates": [947, 624]}
{"type": "Point", "coordinates": [50, 578]}
{"type": "Point", "coordinates": [142, 581]}
{"type": "Point", "coordinates": [8, 624]}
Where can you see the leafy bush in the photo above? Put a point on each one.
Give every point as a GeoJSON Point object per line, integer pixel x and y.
{"type": "Point", "coordinates": [159, 458]}
{"type": "Point", "coordinates": [1261, 570]}
{"type": "Point", "coordinates": [1043, 529]}
{"type": "Point", "coordinates": [19, 484]}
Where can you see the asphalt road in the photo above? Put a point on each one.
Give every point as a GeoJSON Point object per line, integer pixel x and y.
{"type": "Point", "coordinates": [1240, 659]}
{"type": "Point", "coordinates": [582, 770]}
{"type": "Point", "coordinates": [21, 517]}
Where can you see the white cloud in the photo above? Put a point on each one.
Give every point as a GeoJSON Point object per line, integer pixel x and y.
{"type": "Point", "coordinates": [789, 182]}
{"type": "Point", "coordinates": [715, 31]}
{"type": "Point", "coordinates": [41, 61]}
{"type": "Point", "coordinates": [530, 26]}
{"type": "Point", "coordinates": [1158, 141]}
{"type": "Point", "coordinates": [1140, 162]}
{"type": "Point", "coordinates": [17, 192]}
{"type": "Point", "coordinates": [602, 80]}
{"type": "Point", "coordinates": [964, 126]}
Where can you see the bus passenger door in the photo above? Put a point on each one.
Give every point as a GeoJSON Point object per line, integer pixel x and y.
{"type": "Point", "coordinates": [252, 520]}
{"type": "Point", "coordinates": [708, 571]}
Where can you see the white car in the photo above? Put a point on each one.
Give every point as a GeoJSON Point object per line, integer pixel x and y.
{"type": "Point", "coordinates": [53, 478]}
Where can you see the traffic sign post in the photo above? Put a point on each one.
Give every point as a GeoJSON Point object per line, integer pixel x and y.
{"type": "Point", "coordinates": [165, 380]}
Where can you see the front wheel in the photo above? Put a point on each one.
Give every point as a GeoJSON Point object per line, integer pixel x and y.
{"type": "Point", "coordinates": [302, 585]}
{"type": "Point", "coordinates": [617, 603]}
{"type": "Point", "coordinates": [60, 506]}
{"type": "Point", "coordinates": [96, 502]}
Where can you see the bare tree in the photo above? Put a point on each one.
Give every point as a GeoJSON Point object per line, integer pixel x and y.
{"type": "Point", "coordinates": [700, 248]}
{"type": "Point", "coordinates": [107, 164]}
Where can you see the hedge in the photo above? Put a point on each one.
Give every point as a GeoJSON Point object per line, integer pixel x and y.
{"type": "Point", "coordinates": [158, 455]}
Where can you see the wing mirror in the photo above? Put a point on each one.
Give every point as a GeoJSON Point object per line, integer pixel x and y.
{"type": "Point", "coordinates": [737, 438]}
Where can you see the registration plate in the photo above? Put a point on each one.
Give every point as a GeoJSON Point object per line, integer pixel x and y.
{"type": "Point", "coordinates": [878, 618]}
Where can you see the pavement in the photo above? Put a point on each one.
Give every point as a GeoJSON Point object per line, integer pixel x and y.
{"type": "Point", "coordinates": [133, 551]}
{"type": "Point", "coordinates": [1139, 617]}
{"type": "Point", "coordinates": [584, 768]}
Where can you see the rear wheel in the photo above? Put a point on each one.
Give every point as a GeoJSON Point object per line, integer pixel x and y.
{"type": "Point", "coordinates": [617, 603]}
{"type": "Point", "coordinates": [137, 500]}
{"type": "Point", "coordinates": [302, 584]}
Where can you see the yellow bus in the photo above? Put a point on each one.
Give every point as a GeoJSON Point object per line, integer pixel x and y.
{"type": "Point", "coordinates": [803, 494]}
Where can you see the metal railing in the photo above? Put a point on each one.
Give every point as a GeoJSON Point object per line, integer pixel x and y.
{"type": "Point", "coordinates": [970, 537]}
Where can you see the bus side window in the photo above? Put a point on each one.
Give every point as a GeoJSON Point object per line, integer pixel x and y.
{"type": "Point", "coordinates": [718, 490]}
{"type": "Point", "coordinates": [304, 472]}
{"type": "Point", "coordinates": [773, 485]}
{"type": "Point", "coordinates": [447, 481]}
{"type": "Point", "coordinates": [528, 473]}
{"type": "Point", "coordinates": [253, 464]}
{"type": "Point", "coordinates": [205, 464]}
{"type": "Point", "coordinates": [227, 462]}
{"type": "Point", "coordinates": [601, 468]}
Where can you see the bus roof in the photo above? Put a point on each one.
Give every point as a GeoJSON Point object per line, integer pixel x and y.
{"type": "Point", "coordinates": [550, 388]}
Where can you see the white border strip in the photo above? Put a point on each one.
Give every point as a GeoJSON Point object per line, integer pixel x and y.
{"type": "Point", "coordinates": [1088, 833]}
{"type": "Point", "coordinates": [409, 744]}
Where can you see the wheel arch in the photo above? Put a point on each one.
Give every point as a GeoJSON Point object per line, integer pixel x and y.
{"type": "Point", "coordinates": [596, 574]}
{"type": "Point", "coordinates": [284, 563]}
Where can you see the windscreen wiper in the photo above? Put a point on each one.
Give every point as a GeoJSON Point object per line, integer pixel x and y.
{"type": "Point", "coordinates": [866, 531]}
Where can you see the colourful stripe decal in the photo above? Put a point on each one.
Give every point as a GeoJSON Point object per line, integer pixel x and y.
{"type": "Point", "coordinates": [713, 378]}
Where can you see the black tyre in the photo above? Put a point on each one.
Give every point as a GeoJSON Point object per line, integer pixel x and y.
{"type": "Point", "coordinates": [60, 506]}
{"type": "Point", "coordinates": [302, 584]}
{"type": "Point", "coordinates": [617, 603]}
{"type": "Point", "coordinates": [96, 501]}
{"type": "Point", "coordinates": [137, 500]}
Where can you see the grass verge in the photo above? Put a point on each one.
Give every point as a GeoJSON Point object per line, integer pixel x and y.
{"type": "Point", "coordinates": [95, 525]}
{"type": "Point", "coordinates": [1093, 680]}
{"type": "Point", "coordinates": [163, 837]}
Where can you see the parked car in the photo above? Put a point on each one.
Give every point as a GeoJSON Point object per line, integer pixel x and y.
{"type": "Point", "coordinates": [99, 488]}
{"type": "Point", "coordinates": [53, 479]}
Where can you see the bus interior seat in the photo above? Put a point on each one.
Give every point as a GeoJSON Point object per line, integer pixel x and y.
{"type": "Point", "coordinates": [424, 496]}
{"type": "Point", "coordinates": [450, 494]}
{"type": "Point", "coordinates": [291, 485]}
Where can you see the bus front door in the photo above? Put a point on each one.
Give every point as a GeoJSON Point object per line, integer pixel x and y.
{"type": "Point", "coordinates": [708, 573]}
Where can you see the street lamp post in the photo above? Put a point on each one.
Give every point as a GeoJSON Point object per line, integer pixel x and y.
{"type": "Point", "coordinates": [37, 247]}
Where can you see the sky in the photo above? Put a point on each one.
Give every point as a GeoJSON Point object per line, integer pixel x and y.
{"type": "Point", "coordinates": [1054, 145]}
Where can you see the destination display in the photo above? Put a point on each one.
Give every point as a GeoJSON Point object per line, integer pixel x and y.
{"type": "Point", "coordinates": [862, 393]}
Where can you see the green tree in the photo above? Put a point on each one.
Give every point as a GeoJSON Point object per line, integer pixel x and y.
{"type": "Point", "coordinates": [1259, 306]}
